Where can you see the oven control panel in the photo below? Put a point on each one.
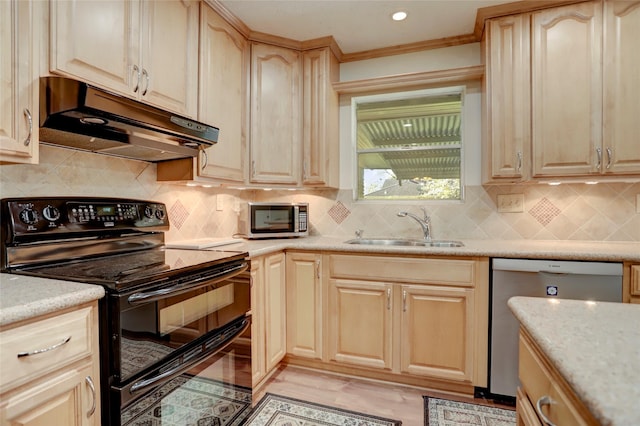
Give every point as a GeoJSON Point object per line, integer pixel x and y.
{"type": "Point", "coordinates": [54, 215]}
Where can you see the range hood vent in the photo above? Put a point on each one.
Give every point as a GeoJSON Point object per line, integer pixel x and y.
{"type": "Point", "coordinates": [77, 115]}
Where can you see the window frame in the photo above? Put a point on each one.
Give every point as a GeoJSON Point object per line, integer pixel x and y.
{"type": "Point", "coordinates": [398, 95]}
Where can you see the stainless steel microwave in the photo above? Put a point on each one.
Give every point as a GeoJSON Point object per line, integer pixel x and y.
{"type": "Point", "coordinates": [274, 220]}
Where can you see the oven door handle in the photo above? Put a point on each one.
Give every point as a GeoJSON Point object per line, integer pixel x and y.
{"type": "Point", "coordinates": [163, 293]}
{"type": "Point", "coordinates": [179, 369]}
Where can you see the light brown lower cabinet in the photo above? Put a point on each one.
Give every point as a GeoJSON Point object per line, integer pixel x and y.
{"type": "Point", "coordinates": [50, 370]}
{"type": "Point", "coordinates": [304, 304]}
{"type": "Point", "coordinates": [420, 321]}
{"type": "Point", "coordinates": [631, 283]}
{"type": "Point", "coordinates": [544, 397]}
{"type": "Point", "coordinates": [268, 308]}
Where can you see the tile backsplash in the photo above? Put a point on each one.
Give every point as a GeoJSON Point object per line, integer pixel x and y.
{"type": "Point", "coordinates": [603, 212]}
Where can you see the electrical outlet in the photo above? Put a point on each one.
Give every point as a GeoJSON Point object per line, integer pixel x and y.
{"type": "Point", "coordinates": [511, 203]}
{"type": "Point", "coordinates": [219, 203]}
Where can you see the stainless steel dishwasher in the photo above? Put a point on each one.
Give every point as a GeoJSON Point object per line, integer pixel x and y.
{"type": "Point", "coordinates": [600, 281]}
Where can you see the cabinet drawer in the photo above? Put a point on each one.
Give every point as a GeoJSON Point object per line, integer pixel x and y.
{"type": "Point", "coordinates": [539, 379]}
{"type": "Point", "coordinates": [397, 269]}
{"type": "Point", "coordinates": [525, 410]}
{"type": "Point", "coordinates": [52, 343]}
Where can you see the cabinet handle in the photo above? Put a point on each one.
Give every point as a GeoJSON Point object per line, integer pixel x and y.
{"type": "Point", "coordinates": [146, 76]}
{"type": "Point", "coordinates": [317, 269]}
{"type": "Point", "coordinates": [404, 300]}
{"type": "Point", "coordinates": [544, 400]}
{"type": "Point", "coordinates": [253, 168]}
{"type": "Point", "coordinates": [27, 114]}
{"type": "Point", "coordinates": [519, 157]}
{"type": "Point", "coordinates": [137, 71]}
{"type": "Point", "coordinates": [609, 157]}
{"type": "Point", "coordinates": [93, 396]}
{"type": "Point", "coordinates": [39, 351]}
{"type": "Point", "coordinates": [388, 299]}
{"type": "Point", "coordinates": [599, 152]}
{"type": "Point", "coordinates": [205, 158]}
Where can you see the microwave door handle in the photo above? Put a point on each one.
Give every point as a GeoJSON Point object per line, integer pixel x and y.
{"type": "Point", "coordinates": [179, 369]}
{"type": "Point", "coordinates": [163, 293]}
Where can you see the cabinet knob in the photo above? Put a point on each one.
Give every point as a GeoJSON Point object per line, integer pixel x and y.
{"type": "Point", "coordinates": [544, 400]}
{"type": "Point", "coordinates": [146, 77]}
{"type": "Point", "coordinates": [39, 351]}
{"type": "Point", "coordinates": [27, 114]}
{"type": "Point", "coordinates": [89, 382]}
{"type": "Point", "coordinates": [137, 71]}
{"type": "Point", "coordinates": [609, 157]}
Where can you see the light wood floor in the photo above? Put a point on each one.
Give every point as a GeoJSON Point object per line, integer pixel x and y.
{"type": "Point", "coordinates": [396, 402]}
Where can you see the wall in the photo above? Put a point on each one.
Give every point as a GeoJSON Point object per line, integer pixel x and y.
{"type": "Point", "coordinates": [64, 172]}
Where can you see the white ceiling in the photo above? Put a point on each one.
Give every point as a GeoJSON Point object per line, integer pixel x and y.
{"type": "Point", "coordinates": [360, 25]}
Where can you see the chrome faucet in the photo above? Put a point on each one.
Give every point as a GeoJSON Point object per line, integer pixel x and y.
{"type": "Point", "coordinates": [424, 223]}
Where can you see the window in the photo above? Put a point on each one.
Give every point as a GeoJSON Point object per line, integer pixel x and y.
{"type": "Point", "coordinates": [409, 145]}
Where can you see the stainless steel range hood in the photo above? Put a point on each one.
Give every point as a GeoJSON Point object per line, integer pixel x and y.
{"type": "Point", "coordinates": [77, 115]}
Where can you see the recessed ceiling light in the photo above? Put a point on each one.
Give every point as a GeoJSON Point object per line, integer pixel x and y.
{"type": "Point", "coordinates": [399, 16]}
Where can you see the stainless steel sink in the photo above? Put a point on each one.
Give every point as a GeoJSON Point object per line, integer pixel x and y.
{"type": "Point", "coordinates": [404, 242]}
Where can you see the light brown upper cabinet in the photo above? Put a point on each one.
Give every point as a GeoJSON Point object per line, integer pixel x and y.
{"type": "Point", "coordinates": [507, 101]}
{"type": "Point", "coordinates": [276, 108]}
{"type": "Point", "coordinates": [321, 143]}
{"type": "Point", "coordinates": [566, 90]}
{"type": "Point", "coordinates": [579, 120]}
{"type": "Point", "coordinates": [621, 87]}
{"type": "Point", "coordinates": [224, 87]}
{"type": "Point", "coordinates": [19, 82]}
{"type": "Point", "coordinates": [146, 50]}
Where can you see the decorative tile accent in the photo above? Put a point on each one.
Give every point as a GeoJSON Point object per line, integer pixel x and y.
{"type": "Point", "coordinates": [178, 214]}
{"type": "Point", "coordinates": [544, 211]}
{"type": "Point", "coordinates": [339, 212]}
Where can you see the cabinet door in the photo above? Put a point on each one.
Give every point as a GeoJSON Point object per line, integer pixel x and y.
{"type": "Point", "coordinates": [437, 332]}
{"type": "Point", "coordinates": [507, 108]}
{"type": "Point", "coordinates": [66, 399]}
{"type": "Point", "coordinates": [621, 87]}
{"type": "Point", "coordinates": [275, 310]}
{"type": "Point", "coordinates": [19, 82]}
{"type": "Point", "coordinates": [321, 141]}
{"type": "Point", "coordinates": [97, 42]}
{"type": "Point", "coordinates": [304, 305]}
{"type": "Point", "coordinates": [258, 362]}
{"type": "Point", "coordinates": [360, 323]}
{"type": "Point", "coordinates": [275, 115]}
{"type": "Point", "coordinates": [567, 90]}
{"type": "Point", "coordinates": [224, 72]}
{"type": "Point", "coordinates": [169, 55]}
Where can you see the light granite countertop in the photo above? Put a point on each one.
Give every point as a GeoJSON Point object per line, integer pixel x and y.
{"type": "Point", "coordinates": [530, 249]}
{"type": "Point", "coordinates": [23, 297]}
{"type": "Point", "coordinates": [596, 348]}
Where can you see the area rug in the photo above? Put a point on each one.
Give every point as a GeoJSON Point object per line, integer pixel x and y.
{"type": "Point", "coordinates": [443, 412]}
{"type": "Point", "coordinates": [275, 410]}
{"type": "Point", "coordinates": [190, 401]}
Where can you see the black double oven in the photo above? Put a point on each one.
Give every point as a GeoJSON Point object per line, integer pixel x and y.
{"type": "Point", "coordinates": [166, 312]}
